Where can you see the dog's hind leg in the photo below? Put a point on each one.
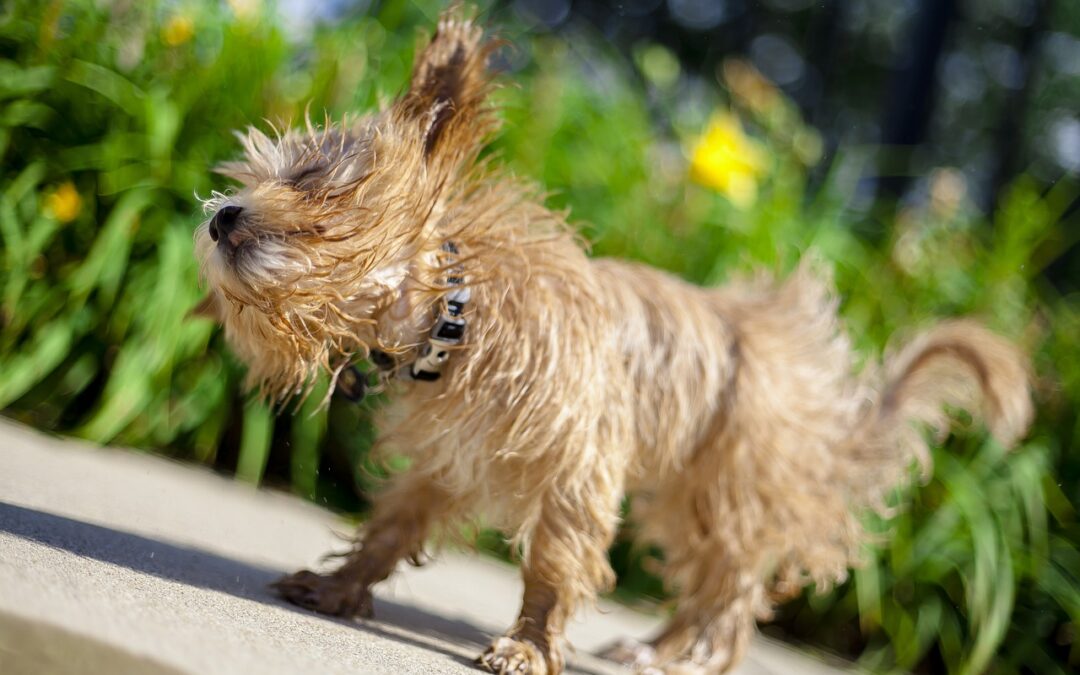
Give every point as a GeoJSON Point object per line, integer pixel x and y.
{"type": "Point", "coordinates": [404, 514]}
{"type": "Point", "coordinates": [565, 564]}
{"type": "Point", "coordinates": [718, 603]}
{"type": "Point", "coordinates": [715, 620]}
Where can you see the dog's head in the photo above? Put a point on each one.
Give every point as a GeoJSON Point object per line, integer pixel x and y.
{"type": "Point", "coordinates": [331, 222]}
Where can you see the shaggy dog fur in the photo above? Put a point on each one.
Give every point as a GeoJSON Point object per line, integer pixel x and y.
{"type": "Point", "coordinates": [734, 416]}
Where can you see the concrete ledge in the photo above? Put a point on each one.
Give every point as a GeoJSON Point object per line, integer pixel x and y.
{"type": "Point", "coordinates": [114, 561]}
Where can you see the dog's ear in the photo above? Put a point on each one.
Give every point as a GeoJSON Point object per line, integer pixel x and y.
{"type": "Point", "coordinates": [450, 81]}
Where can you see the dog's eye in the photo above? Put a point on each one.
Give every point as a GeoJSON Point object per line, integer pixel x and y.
{"type": "Point", "coordinates": [305, 175]}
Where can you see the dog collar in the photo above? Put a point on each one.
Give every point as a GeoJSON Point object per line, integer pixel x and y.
{"type": "Point", "coordinates": [447, 333]}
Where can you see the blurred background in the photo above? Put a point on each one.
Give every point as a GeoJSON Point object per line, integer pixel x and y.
{"type": "Point", "coordinates": [929, 149]}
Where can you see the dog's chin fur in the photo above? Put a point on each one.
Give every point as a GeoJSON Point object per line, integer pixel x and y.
{"type": "Point", "coordinates": [734, 416]}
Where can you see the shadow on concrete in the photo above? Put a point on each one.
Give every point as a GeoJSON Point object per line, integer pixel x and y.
{"type": "Point", "coordinates": [200, 568]}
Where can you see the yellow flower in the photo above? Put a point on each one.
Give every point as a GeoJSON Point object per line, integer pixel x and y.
{"type": "Point", "coordinates": [177, 30]}
{"type": "Point", "coordinates": [729, 161]}
{"type": "Point", "coordinates": [64, 203]}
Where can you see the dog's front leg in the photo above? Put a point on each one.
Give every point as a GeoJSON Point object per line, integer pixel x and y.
{"type": "Point", "coordinates": [403, 517]}
{"type": "Point", "coordinates": [531, 646]}
{"type": "Point", "coordinates": [566, 565]}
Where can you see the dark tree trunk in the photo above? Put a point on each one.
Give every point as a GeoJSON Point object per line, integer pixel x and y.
{"type": "Point", "coordinates": [1009, 141]}
{"type": "Point", "coordinates": [911, 95]}
{"type": "Point", "coordinates": [827, 42]}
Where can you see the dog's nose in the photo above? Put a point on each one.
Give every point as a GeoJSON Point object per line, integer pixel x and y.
{"type": "Point", "coordinates": [224, 222]}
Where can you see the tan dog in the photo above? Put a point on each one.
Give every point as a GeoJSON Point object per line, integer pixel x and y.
{"type": "Point", "coordinates": [733, 415]}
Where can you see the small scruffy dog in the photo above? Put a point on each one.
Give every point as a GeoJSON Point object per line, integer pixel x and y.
{"type": "Point", "coordinates": [533, 387]}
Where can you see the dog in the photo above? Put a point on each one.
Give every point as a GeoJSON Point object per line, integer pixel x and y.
{"type": "Point", "coordinates": [533, 387]}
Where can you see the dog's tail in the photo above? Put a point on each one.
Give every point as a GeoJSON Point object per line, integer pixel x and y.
{"type": "Point", "coordinates": [955, 364]}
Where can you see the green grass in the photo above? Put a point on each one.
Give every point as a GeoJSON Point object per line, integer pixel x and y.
{"type": "Point", "coordinates": [980, 571]}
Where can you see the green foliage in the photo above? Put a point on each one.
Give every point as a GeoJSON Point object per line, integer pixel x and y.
{"type": "Point", "coordinates": [112, 114]}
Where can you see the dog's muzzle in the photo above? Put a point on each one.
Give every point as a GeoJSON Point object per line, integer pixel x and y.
{"type": "Point", "coordinates": [223, 224]}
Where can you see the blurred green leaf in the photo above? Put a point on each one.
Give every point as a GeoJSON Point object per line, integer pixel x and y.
{"type": "Point", "coordinates": [255, 444]}
{"type": "Point", "coordinates": [17, 80]}
{"type": "Point", "coordinates": [308, 430]}
{"type": "Point", "coordinates": [25, 368]}
{"type": "Point", "coordinates": [109, 84]}
{"type": "Point", "coordinates": [107, 259]}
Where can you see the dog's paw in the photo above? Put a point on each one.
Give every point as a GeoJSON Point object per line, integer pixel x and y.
{"type": "Point", "coordinates": [507, 655]}
{"type": "Point", "coordinates": [326, 594]}
{"type": "Point", "coordinates": [635, 655]}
